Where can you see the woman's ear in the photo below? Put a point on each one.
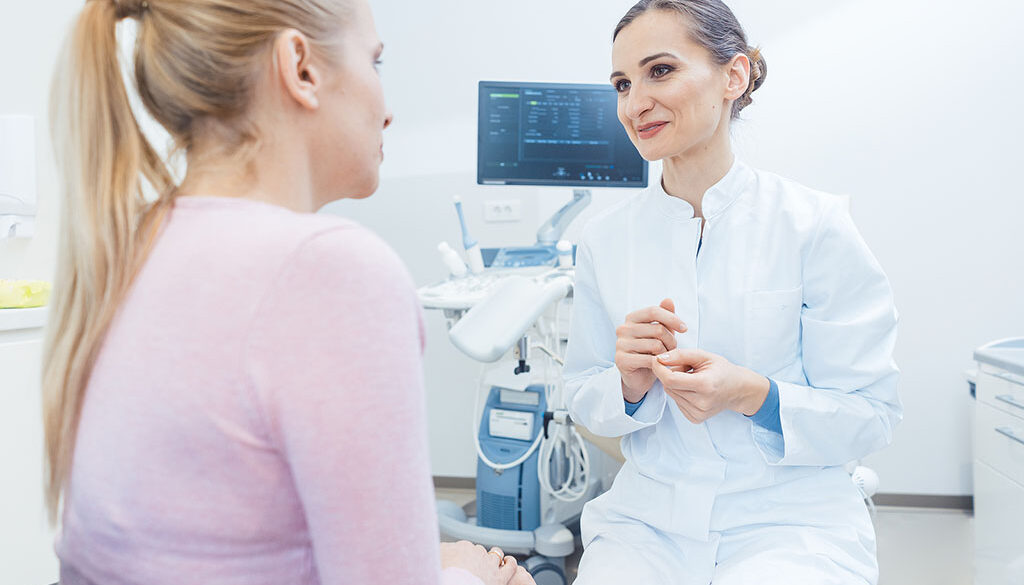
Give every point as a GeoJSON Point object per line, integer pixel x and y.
{"type": "Point", "coordinates": [738, 71]}
{"type": "Point", "coordinates": [299, 77]}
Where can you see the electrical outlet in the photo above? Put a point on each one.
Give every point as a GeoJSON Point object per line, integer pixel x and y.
{"type": "Point", "coordinates": [507, 210]}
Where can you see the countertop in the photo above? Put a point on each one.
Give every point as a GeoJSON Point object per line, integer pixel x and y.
{"type": "Point", "coordinates": [1007, 354]}
{"type": "Point", "coordinates": [20, 319]}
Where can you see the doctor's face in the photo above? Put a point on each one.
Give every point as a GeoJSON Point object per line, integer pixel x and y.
{"type": "Point", "coordinates": [671, 93]}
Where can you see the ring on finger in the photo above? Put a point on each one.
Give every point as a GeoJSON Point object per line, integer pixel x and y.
{"type": "Point", "coordinates": [500, 557]}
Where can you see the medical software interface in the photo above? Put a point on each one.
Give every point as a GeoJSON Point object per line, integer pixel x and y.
{"type": "Point", "coordinates": [554, 134]}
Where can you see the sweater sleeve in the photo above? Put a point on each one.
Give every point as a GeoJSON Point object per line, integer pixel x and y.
{"type": "Point", "coordinates": [334, 359]}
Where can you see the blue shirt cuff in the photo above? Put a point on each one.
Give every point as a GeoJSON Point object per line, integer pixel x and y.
{"type": "Point", "coordinates": [632, 407]}
{"type": "Point", "coordinates": [768, 416]}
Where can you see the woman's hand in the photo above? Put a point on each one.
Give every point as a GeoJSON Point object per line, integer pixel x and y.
{"type": "Point", "coordinates": [703, 384]}
{"type": "Point", "coordinates": [646, 333]}
{"type": "Point", "coordinates": [493, 567]}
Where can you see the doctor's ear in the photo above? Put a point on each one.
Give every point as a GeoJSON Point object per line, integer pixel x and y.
{"type": "Point", "coordinates": [300, 78]}
{"type": "Point", "coordinates": [738, 72]}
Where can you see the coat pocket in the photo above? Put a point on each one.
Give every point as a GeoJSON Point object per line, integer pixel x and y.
{"type": "Point", "coordinates": [773, 329]}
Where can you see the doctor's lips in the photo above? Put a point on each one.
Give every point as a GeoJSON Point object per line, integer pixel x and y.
{"type": "Point", "coordinates": [649, 130]}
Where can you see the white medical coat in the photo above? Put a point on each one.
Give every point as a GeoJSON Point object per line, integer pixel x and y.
{"type": "Point", "coordinates": [783, 284]}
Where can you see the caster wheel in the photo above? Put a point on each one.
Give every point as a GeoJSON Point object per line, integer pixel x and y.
{"type": "Point", "coordinates": [545, 571]}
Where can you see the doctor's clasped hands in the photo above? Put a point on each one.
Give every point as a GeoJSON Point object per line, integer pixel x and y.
{"type": "Point", "coordinates": [702, 384]}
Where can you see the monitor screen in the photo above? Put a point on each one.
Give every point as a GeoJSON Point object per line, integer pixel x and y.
{"type": "Point", "coordinates": [554, 134]}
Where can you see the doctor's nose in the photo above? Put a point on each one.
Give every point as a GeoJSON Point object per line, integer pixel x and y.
{"type": "Point", "coordinates": [638, 103]}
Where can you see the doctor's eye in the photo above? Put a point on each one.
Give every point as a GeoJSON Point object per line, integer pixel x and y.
{"type": "Point", "coordinates": [377, 64]}
{"type": "Point", "coordinates": [622, 85]}
{"type": "Point", "coordinates": [660, 70]}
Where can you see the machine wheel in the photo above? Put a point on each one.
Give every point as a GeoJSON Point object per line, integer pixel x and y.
{"type": "Point", "coordinates": [545, 571]}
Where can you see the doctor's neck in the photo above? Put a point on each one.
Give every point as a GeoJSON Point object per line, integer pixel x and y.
{"type": "Point", "coordinates": [688, 175]}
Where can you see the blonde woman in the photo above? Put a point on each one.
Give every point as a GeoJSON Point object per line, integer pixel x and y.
{"type": "Point", "coordinates": [213, 353]}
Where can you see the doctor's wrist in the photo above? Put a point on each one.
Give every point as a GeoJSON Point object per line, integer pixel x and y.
{"type": "Point", "coordinates": [632, 395]}
{"type": "Point", "coordinates": [754, 393]}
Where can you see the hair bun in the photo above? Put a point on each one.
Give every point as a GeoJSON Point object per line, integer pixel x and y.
{"type": "Point", "coordinates": [758, 70]}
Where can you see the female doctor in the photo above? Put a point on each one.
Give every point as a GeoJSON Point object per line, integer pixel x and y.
{"type": "Point", "coordinates": [734, 328]}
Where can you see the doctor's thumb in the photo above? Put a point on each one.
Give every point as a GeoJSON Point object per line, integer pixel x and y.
{"type": "Point", "coordinates": [668, 305]}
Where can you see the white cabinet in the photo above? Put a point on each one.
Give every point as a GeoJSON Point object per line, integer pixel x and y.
{"type": "Point", "coordinates": [998, 518]}
{"type": "Point", "coordinates": [999, 466]}
{"type": "Point", "coordinates": [26, 541]}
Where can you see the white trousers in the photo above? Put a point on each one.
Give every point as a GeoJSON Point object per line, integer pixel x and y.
{"type": "Point", "coordinates": [624, 552]}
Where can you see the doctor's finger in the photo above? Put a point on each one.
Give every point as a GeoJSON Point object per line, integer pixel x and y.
{"type": "Point", "coordinates": [659, 314]}
{"type": "Point", "coordinates": [700, 403]}
{"type": "Point", "coordinates": [691, 413]}
{"type": "Point", "coordinates": [641, 346]}
{"type": "Point", "coordinates": [674, 379]}
{"type": "Point", "coordinates": [647, 331]}
{"type": "Point", "coordinates": [684, 356]}
{"type": "Point", "coordinates": [632, 361]}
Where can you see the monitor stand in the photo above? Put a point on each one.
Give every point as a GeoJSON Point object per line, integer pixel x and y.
{"type": "Point", "coordinates": [543, 252]}
{"type": "Point", "coordinates": [552, 230]}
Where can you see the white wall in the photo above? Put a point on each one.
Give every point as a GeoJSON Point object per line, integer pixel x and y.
{"type": "Point", "coordinates": [30, 38]}
{"type": "Point", "coordinates": [906, 106]}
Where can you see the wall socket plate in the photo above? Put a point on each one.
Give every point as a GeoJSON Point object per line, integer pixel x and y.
{"type": "Point", "coordinates": [504, 210]}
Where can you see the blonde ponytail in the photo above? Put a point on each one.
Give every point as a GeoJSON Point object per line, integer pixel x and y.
{"type": "Point", "coordinates": [196, 66]}
{"type": "Point", "coordinates": [103, 156]}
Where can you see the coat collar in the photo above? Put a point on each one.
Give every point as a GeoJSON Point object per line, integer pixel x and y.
{"type": "Point", "coordinates": [716, 199]}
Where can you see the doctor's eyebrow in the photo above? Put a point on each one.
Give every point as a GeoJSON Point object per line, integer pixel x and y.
{"type": "Point", "coordinates": [643, 62]}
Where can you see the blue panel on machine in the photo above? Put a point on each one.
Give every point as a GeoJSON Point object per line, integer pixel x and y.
{"type": "Point", "coordinates": [510, 500]}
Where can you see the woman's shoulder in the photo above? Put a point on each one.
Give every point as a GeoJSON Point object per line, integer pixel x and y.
{"type": "Point", "coordinates": [324, 242]}
{"type": "Point", "coordinates": [257, 238]}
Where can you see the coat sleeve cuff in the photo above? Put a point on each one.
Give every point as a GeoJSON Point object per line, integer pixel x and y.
{"type": "Point", "coordinates": [768, 416]}
{"type": "Point", "coordinates": [767, 430]}
{"type": "Point", "coordinates": [632, 407]}
{"type": "Point", "coordinates": [600, 407]}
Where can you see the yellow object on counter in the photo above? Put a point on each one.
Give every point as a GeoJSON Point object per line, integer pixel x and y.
{"type": "Point", "coordinates": [24, 294]}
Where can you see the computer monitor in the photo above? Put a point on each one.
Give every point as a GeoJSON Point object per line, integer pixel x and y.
{"type": "Point", "coordinates": [557, 134]}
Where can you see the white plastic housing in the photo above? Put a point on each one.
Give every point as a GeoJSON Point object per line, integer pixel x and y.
{"type": "Point", "coordinates": [17, 176]}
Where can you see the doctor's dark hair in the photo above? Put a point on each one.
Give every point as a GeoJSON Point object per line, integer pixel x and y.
{"type": "Point", "coordinates": [197, 64]}
{"type": "Point", "coordinates": [713, 26]}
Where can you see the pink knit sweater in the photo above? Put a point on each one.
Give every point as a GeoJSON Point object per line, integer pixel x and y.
{"type": "Point", "coordinates": [256, 414]}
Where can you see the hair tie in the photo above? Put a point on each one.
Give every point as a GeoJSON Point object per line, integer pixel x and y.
{"type": "Point", "coordinates": [128, 9]}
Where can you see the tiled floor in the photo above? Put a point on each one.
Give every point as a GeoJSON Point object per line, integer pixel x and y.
{"type": "Point", "coordinates": [919, 546]}
{"type": "Point", "coordinates": [916, 546]}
